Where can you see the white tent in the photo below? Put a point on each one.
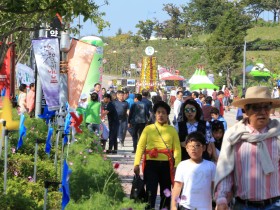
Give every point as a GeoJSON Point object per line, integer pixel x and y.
{"type": "Point", "coordinates": [200, 80]}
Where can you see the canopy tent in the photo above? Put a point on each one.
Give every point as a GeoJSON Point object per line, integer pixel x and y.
{"type": "Point", "coordinates": [260, 71]}
{"type": "Point", "coordinates": [200, 80]}
{"type": "Point", "coordinates": [173, 77]}
{"type": "Point", "coordinates": [164, 74]}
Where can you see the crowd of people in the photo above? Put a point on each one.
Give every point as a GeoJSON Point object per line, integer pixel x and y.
{"type": "Point", "coordinates": [195, 155]}
{"type": "Point", "coordinates": [197, 161]}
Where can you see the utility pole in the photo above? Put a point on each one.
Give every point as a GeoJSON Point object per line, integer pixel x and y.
{"type": "Point", "coordinates": [244, 64]}
{"type": "Point", "coordinates": [38, 100]}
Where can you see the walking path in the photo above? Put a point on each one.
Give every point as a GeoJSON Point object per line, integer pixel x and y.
{"type": "Point", "coordinates": [125, 157]}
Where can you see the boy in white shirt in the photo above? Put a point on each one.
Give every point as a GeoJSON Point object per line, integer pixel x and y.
{"type": "Point", "coordinates": [195, 176]}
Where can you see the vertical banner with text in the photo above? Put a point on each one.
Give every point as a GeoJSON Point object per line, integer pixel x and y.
{"type": "Point", "coordinates": [80, 57]}
{"type": "Point", "coordinates": [47, 58]}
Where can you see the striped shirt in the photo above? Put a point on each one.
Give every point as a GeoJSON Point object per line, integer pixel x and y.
{"type": "Point", "coordinates": [247, 178]}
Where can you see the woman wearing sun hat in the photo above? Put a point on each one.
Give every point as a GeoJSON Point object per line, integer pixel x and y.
{"type": "Point", "coordinates": [248, 165]}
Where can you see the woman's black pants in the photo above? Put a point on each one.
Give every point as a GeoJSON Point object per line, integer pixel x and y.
{"type": "Point", "coordinates": [157, 172]}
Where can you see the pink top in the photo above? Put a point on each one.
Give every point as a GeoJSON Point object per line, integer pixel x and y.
{"type": "Point", "coordinates": [30, 101]}
{"type": "Point", "coordinates": [248, 177]}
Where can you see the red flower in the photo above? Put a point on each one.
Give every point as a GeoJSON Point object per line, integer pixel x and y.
{"type": "Point", "coordinates": [116, 166]}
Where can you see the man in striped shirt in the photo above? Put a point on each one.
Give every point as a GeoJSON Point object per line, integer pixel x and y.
{"type": "Point", "coordinates": [248, 167]}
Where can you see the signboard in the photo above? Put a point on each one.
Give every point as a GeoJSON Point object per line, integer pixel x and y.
{"type": "Point", "coordinates": [149, 51]}
{"type": "Point", "coordinates": [133, 66]}
{"type": "Point", "coordinates": [55, 27]}
{"type": "Point", "coordinates": [131, 82]}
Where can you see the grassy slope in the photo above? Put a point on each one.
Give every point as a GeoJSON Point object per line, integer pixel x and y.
{"type": "Point", "coordinates": [186, 59]}
{"type": "Point", "coordinates": [266, 33]}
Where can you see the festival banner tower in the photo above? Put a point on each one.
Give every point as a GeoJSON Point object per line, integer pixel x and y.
{"type": "Point", "coordinates": [149, 74]}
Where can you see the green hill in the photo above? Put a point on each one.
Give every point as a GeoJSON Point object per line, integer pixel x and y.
{"type": "Point", "coordinates": [186, 54]}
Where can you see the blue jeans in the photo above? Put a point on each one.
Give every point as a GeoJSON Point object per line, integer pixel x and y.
{"type": "Point", "coordinates": [241, 206]}
{"type": "Point", "coordinates": [136, 133]}
{"type": "Point", "coordinates": [113, 132]}
{"type": "Point", "coordinates": [122, 130]}
{"type": "Point", "coordinates": [93, 127]}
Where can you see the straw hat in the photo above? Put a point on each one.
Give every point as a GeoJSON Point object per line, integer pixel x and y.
{"type": "Point", "coordinates": [257, 94]}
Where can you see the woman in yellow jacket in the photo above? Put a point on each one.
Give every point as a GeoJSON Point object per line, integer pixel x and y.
{"type": "Point", "coordinates": [160, 146]}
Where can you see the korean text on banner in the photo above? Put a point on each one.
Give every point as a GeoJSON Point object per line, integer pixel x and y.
{"type": "Point", "coordinates": [47, 59]}
{"type": "Point", "coordinates": [79, 59]}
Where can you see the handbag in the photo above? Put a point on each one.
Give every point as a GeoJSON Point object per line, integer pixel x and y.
{"type": "Point", "coordinates": [138, 191]}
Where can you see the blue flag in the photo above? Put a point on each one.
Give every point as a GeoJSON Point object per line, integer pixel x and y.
{"type": "Point", "coordinates": [3, 91]}
{"type": "Point", "coordinates": [49, 141]}
{"type": "Point", "coordinates": [22, 131]}
{"type": "Point", "coordinates": [65, 185]}
{"type": "Point", "coordinates": [47, 115]}
{"type": "Point", "coordinates": [67, 127]}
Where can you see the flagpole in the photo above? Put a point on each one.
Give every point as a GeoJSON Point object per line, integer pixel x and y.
{"type": "Point", "coordinates": [47, 184]}
{"type": "Point", "coordinates": [45, 198]}
{"type": "Point", "coordinates": [5, 161]}
{"type": "Point", "coordinates": [3, 135]}
{"type": "Point", "coordinates": [56, 150]}
{"type": "Point", "coordinates": [38, 141]}
{"type": "Point", "coordinates": [61, 156]}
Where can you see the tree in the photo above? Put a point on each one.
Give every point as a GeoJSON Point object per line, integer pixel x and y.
{"type": "Point", "coordinates": [164, 29]}
{"type": "Point", "coordinates": [274, 6]}
{"type": "Point", "coordinates": [146, 29]}
{"type": "Point", "coordinates": [206, 13]}
{"type": "Point", "coordinates": [19, 18]}
{"type": "Point", "coordinates": [119, 32]}
{"type": "Point", "coordinates": [225, 46]}
{"type": "Point", "coordinates": [175, 21]}
{"type": "Point", "coordinates": [255, 7]}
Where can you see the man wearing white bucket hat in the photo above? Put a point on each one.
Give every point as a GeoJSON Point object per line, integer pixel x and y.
{"type": "Point", "coordinates": [248, 167]}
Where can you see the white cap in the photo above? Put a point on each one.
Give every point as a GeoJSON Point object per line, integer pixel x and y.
{"type": "Point", "coordinates": [91, 91]}
{"type": "Point", "coordinates": [83, 96]}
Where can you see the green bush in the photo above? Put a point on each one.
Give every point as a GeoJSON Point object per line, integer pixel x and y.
{"type": "Point", "coordinates": [100, 201]}
{"type": "Point", "coordinates": [259, 44]}
{"type": "Point", "coordinates": [94, 184]}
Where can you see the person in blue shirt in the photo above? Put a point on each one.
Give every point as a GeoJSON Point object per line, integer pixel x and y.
{"type": "Point", "coordinates": [129, 98]}
{"type": "Point", "coordinates": [240, 112]}
{"type": "Point", "coordinates": [146, 101]}
{"type": "Point", "coordinates": [215, 114]}
{"type": "Point", "coordinates": [137, 119]}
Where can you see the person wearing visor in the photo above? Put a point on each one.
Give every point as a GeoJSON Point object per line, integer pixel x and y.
{"type": "Point", "coordinates": [248, 165]}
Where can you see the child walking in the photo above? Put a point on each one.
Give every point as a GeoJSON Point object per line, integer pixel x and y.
{"type": "Point", "coordinates": [195, 176]}
{"type": "Point", "coordinates": [218, 132]}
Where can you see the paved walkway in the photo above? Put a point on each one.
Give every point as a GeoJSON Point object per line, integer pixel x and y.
{"type": "Point", "coordinates": [125, 157]}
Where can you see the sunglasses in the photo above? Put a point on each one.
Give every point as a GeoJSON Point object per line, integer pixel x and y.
{"type": "Point", "coordinates": [190, 110]}
{"type": "Point", "coordinates": [257, 108]}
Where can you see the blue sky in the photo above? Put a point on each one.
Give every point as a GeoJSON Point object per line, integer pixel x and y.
{"type": "Point", "coordinates": [125, 14]}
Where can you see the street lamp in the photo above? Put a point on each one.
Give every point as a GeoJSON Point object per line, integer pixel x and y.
{"type": "Point", "coordinates": [63, 80]}
{"type": "Point", "coordinates": [116, 61]}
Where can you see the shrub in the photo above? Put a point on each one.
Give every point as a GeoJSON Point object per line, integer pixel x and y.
{"type": "Point", "coordinates": [93, 183]}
